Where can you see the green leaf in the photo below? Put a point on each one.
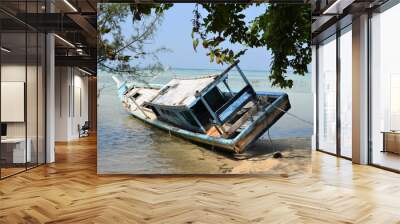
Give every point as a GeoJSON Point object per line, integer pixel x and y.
{"type": "Point", "coordinates": [283, 30]}
{"type": "Point", "coordinates": [205, 43]}
{"type": "Point", "coordinates": [211, 54]}
{"type": "Point", "coordinates": [218, 59]}
{"type": "Point", "coordinates": [195, 43]}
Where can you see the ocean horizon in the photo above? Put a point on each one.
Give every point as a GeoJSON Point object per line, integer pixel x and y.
{"type": "Point", "coordinates": [258, 78]}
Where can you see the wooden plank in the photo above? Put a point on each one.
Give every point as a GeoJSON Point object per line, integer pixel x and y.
{"type": "Point", "coordinates": [245, 117]}
{"type": "Point", "coordinates": [260, 128]}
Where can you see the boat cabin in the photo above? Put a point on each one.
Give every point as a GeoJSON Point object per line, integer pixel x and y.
{"type": "Point", "coordinates": [208, 104]}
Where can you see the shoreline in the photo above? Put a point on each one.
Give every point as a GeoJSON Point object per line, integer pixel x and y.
{"type": "Point", "coordinates": [296, 158]}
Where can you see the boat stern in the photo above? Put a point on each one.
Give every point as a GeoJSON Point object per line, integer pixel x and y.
{"type": "Point", "coordinates": [264, 120]}
{"type": "Point", "coordinates": [121, 85]}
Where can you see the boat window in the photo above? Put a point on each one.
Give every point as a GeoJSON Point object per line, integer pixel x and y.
{"type": "Point", "coordinates": [225, 89]}
{"type": "Point", "coordinates": [168, 112]}
{"type": "Point", "coordinates": [202, 114]}
{"type": "Point", "coordinates": [188, 117]}
{"type": "Point", "coordinates": [163, 90]}
{"type": "Point", "coordinates": [136, 95]}
{"type": "Point", "coordinates": [148, 106]}
{"type": "Point", "coordinates": [164, 111]}
{"type": "Point", "coordinates": [235, 81]}
{"type": "Point", "coordinates": [154, 110]}
{"type": "Point", "coordinates": [215, 99]}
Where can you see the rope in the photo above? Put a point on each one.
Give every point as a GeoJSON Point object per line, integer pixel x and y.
{"type": "Point", "coordinates": [270, 140]}
{"type": "Point", "coordinates": [295, 116]}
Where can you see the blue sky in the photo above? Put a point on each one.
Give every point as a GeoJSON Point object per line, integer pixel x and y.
{"type": "Point", "coordinates": [175, 34]}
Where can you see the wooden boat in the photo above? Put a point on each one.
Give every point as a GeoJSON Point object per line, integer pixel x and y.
{"type": "Point", "coordinates": [205, 109]}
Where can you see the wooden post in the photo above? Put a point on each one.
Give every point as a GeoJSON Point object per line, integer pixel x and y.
{"type": "Point", "coordinates": [210, 110]}
{"type": "Point", "coordinates": [197, 120]}
{"type": "Point", "coordinates": [242, 74]}
{"type": "Point", "coordinates": [227, 86]}
{"type": "Point", "coordinates": [137, 106]}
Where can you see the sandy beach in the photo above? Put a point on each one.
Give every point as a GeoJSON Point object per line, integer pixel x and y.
{"type": "Point", "coordinates": [178, 156]}
{"type": "Point", "coordinates": [259, 159]}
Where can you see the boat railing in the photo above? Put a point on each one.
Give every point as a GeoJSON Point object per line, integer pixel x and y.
{"type": "Point", "coordinates": [234, 104]}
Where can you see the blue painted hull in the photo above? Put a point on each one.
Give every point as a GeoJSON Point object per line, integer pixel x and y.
{"type": "Point", "coordinates": [270, 114]}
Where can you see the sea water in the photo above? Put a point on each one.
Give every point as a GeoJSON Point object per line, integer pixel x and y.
{"type": "Point", "coordinates": [127, 145]}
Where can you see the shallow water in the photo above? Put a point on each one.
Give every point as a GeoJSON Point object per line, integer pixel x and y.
{"type": "Point", "coordinates": [127, 145]}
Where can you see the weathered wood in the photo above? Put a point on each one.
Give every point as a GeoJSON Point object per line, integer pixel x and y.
{"type": "Point", "coordinates": [260, 128]}
{"type": "Point", "coordinates": [212, 113]}
{"type": "Point", "coordinates": [168, 115]}
{"type": "Point", "coordinates": [213, 131]}
{"type": "Point", "coordinates": [227, 86]}
{"type": "Point", "coordinates": [138, 107]}
{"type": "Point", "coordinates": [242, 74]}
{"type": "Point", "coordinates": [197, 120]}
{"type": "Point", "coordinates": [245, 117]}
{"type": "Point", "coordinates": [181, 92]}
{"type": "Point", "coordinates": [240, 142]}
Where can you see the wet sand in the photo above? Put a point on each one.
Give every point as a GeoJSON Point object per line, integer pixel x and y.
{"type": "Point", "coordinates": [259, 159]}
{"type": "Point", "coordinates": [153, 151]}
{"type": "Point", "coordinates": [296, 158]}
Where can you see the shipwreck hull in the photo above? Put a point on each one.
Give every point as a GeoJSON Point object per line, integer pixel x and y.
{"type": "Point", "coordinates": [206, 109]}
{"type": "Point", "coordinates": [266, 117]}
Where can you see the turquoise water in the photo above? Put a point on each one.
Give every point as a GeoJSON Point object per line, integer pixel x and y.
{"type": "Point", "coordinates": [126, 145]}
